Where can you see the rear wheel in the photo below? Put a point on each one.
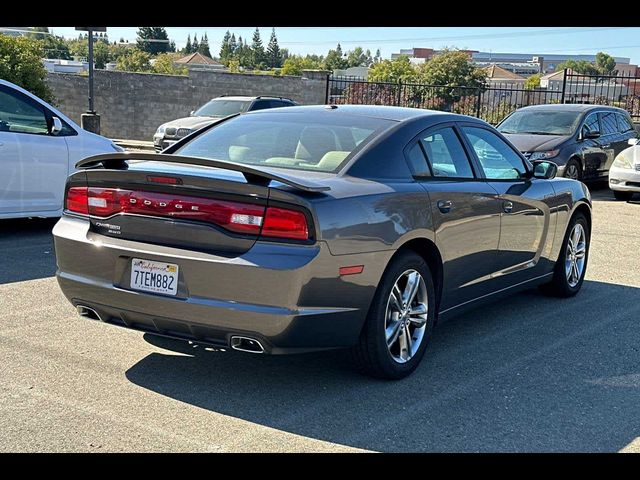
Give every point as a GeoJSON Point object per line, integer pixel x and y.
{"type": "Point", "coordinates": [571, 266]}
{"type": "Point", "coordinates": [400, 320]}
{"type": "Point", "coordinates": [573, 170]}
{"type": "Point", "coordinates": [622, 195]}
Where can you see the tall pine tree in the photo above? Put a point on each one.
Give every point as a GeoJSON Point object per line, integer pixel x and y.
{"type": "Point", "coordinates": [195, 45]}
{"type": "Point", "coordinates": [203, 48]}
{"type": "Point", "coordinates": [153, 40]}
{"type": "Point", "coordinates": [188, 47]}
{"type": "Point", "coordinates": [225, 50]}
{"type": "Point", "coordinates": [274, 55]}
{"type": "Point", "coordinates": [233, 45]}
{"type": "Point", "coordinates": [257, 49]}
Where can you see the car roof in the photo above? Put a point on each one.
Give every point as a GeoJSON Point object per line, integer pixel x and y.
{"type": "Point", "coordinates": [571, 107]}
{"type": "Point", "coordinates": [247, 98]}
{"type": "Point", "coordinates": [397, 114]}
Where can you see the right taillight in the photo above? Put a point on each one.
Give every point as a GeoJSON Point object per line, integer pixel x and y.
{"type": "Point", "coordinates": [77, 200]}
{"type": "Point", "coordinates": [285, 223]}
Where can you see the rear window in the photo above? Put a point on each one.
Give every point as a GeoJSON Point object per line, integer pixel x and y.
{"type": "Point", "coordinates": [222, 108]}
{"type": "Point", "coordinates": [322, 141]}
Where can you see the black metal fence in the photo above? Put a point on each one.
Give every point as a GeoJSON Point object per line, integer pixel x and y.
{"type": "Point", "coordinates": [495, 100]}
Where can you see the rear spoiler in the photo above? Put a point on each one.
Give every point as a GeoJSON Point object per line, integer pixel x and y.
{"type": "Point", "coordinates": [252, 175]}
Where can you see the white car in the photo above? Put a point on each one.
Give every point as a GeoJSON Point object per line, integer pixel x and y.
{"type": "Point", "coordinates": [624, 174]}
{"type": "Point", "coordinates": [39, 147]}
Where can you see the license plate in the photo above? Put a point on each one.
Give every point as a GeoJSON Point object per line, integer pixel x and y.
{"type": "Point", "coordinates": [156, 277]}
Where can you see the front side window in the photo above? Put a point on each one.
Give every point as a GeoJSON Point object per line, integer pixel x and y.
{"type": "Point", "coordinates": [609, 123]}
{"type": "Point", "coordinates": [19, 114]}
{"type": "Point", "coordinates": [446, 154]}
{"type": "Point", "coordinates": [286, 140]}
{"type": "Point", "coordinates": [498, 160]}
{"type": "Point", "coordinates": [591, 124]}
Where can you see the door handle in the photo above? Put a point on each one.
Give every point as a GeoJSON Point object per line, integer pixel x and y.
{"type": "Point", "coordinates": [445, 205]}
{"type": "Point", "coordinates": [605, 146]}
{"type": "Point", "coordinates": [507, 206]}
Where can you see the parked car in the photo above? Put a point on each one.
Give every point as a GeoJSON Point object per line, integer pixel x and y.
{"type": "Point", "coordinates": [314, 227]}
{"type": "Point", "coordinates": [220, 107]}
{"type": "Point", "coordinates": [39, 147]}
{"type": "Point", "coordinates": [582, 140]}
{"type": "Point", "coordinates": [624, 176]}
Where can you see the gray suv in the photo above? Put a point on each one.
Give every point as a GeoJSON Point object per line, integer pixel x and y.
{"type": "Point", "coordinates": [220, 107]}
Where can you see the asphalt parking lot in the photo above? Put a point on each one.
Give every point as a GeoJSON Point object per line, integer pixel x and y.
{"type": "Point", "coordinates": [529, 374]}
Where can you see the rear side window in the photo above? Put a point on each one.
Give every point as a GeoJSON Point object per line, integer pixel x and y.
{"type": "Point", "coordinates": [417, 161]}
{"type": "Point", "coordinates": [609, 123]}
{"type": "Point", "coordinates": [624, 124]}
{"type": "Point", "coordinates": [446, 154]}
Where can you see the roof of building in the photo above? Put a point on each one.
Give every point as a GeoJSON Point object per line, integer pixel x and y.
{"type": "Point", "coordinates": [197, 59]}
{"type": "Point", "coordinates": [496, 72]}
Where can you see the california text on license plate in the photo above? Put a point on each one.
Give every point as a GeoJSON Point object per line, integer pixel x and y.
{"type": "Point", "coordinates": [156, 277]}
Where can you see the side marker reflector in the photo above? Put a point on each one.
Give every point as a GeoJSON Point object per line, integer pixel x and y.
{"type": "Point", "coordinates": [351, 270]}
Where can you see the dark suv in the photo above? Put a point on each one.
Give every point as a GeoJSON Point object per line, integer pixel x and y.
{"type": "Point", "coordinates": [220, 107]}
{"type": "Point", "coordinates": [582, 140]}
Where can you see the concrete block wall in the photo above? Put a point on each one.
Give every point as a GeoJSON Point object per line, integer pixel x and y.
{"type": "Point", "coordinates": [133, 105]}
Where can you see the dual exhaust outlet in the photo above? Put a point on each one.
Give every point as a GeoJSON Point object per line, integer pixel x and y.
{"type": "Point", "coordinates": [237, 342]}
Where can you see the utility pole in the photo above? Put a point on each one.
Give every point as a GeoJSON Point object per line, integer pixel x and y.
{"type": "Point", "coordinates": [90, 121]}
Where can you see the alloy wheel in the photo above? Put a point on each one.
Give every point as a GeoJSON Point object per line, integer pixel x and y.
{"type": "Point", "coordinates": [576, 252]}
{"type": "Point", "coordinates": [572, 172]}
{"type": "Point", "coordinates": [406, 316]}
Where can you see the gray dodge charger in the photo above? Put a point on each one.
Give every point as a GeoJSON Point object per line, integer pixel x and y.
{"type": "Point", "coordinates": [316, 227]}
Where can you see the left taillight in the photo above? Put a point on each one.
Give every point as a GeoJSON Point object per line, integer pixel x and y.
{"type": "Point", "coordinates": [77, 200]}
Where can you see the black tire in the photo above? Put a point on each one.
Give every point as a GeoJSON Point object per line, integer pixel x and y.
{"type": "Point", "coordinates": [622, 195]}
{"type": "Point", "coordinates": [573, 163]}
{"type": "Point", "coordinates": [371, 355]}
{"type": "Point", "coordinates": [559, 286]}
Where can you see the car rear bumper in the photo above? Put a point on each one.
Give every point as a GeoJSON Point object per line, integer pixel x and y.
{"type": "Point", "coordinates": [289, 297]}
{"type": "Point", "coordinates": [624, 179]}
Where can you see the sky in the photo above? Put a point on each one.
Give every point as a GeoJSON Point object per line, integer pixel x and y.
{"type": "Point", "coordinates": [617, 41]}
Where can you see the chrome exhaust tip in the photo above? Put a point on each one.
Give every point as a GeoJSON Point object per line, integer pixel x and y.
{"type": "Point", "coordinates": [246, 344]}
{"type": "Point", "coordinates": [88, 312]}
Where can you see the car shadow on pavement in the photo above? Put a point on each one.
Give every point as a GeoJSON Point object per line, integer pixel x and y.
{"type": "Point", "coordinates": [27, 249]}
{"type": "Point", "coordinates": [530, 373]}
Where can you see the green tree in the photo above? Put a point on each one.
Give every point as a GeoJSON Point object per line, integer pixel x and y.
{"type": "Point", "coordinates": [21, 63]}
{"type": "Point", "coordinates": [225, 49]}
{"type": "Point", "coordinates": [257, 50]}
{"type": "Point", "coordinates": [378, 57]}
{"type": "Point", "coordinates": [55, 47]}
{"type": "Point", "coordinates": [578, 66]}
{"type": "Point", "coordinates": [274, 55]}
{"type": "Point", "coordinates": [153, 40]}
{"type": "Point", "coordinates": [393, 71]}
{"type": "Point", "coordinates": [203, 48]}
{"type": "Point", "coordinates": [532, 82]}
{"type": "Point", "coordinates": [357, 58]}
{"type": "Point", "coordinates": [195, 45]}
{"type": "Point", "coordinates": [164, 64]}
{"type": "Point", "coordinates": [335, 60]}
{"type": "Point", "coordinates": [101, 54]}
{"type": "Point", "coordinates": [451, 68]}
{"type": "Point", "coordinates": [234, 66]}
{"type": "Point", "coordinates": [368, 58]}
{"type": "Point", "coordinates": [116, 51]}
{"type": "Point", "coordinates": [188, 48]}
{"type": "Point", "coordinates": [605, 63]}
{"type": "Point", "coordinates": [135, 61]}
{"type": "Point", "coordinates": [233, 45]}
{"type": "Point", "coordinates": [295, 64]}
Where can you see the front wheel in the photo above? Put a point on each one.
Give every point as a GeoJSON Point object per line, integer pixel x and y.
{"type": "Point", "coordinates": [573, 170]}
{"type": "Point", "coordinates": [571, 266]}
{"type": "Point", "coordinates": [400, 320]}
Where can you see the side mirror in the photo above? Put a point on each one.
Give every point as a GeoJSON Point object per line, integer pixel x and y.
{"type": "Point", "coordinates": [544, 169]}
{"type": "Point", "coordinates": [633, 141]}
{"type": "Point", "coordinates": [591, 134]}
{"type": "Point", "coordinates": [56, 128]}
{"type": "Point", "coordinates": [191, 113]}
